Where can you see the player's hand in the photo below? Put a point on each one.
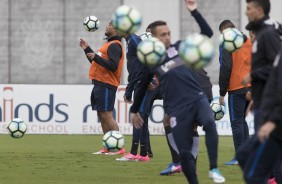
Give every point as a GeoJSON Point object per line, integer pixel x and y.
{"type": "Point", "coordinates": [152, 87]}
{"type": "Point", "coordinates": [250, 107]}
{"type": "Point", "coordinates": [249, 96]}
{"type": "Point", "coordinates": [153, 84]}
{"type": "Point", "coordinates": [91, 55]}
{"type": "Point", "coordinates": [265, 130]}
{"type": "Point", "coordinates": [127, 100]}
{"type": "Point", "coordinates": [136, 120]}
{"type": "Point", "coordinates": [221, 100]}
{"type": "Point", "coordinates": [83, 44]}
{"type": "Point", "coordinates": [191, 5]}
{"type": "Point", "coordinates": [247, 80]}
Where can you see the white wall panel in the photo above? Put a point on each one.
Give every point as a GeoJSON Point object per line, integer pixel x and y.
{"type": "Point", "coordinates": [165, 10]}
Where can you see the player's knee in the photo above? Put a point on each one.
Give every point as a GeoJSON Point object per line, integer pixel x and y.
{"type": "Point", "coordinates": [104, 116]}
{"type": "Point", "coordinates": [166, 120]}
{"type": "Point", "coordinates": [186, 156]}
{"type": "Point", "coordinates": [251, 179]}
{"type": "Point", "coordinates": [209, 125]}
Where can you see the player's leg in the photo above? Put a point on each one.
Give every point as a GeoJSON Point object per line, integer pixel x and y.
{"type": "Point", "coordinates": [182, 129]}
{"type": "Point", "coordinates": [196, 142]}
{"type": "Point", "coordinates": [261, 161]}
{"type": "Point", "coordinates": [143, 139]}
{"type": "Point", "coordinates": [205, 117]}
{"type": "Point", "coordinates": [105, 98]}
{"type": "Point", "coordinates": [145, 110]}
{"type": "Point", "coordinates": [150, 152]}
{"type": "Point", "coordinates": [132, 155]}
{"type": "Point", "coordinates": [246, 127]}
{"type": "Point", "coordinates": [257, 118]}
{"type": "Point", "coordinates": [108, 123]}
{"type": "Point", "coordinates": [102, 100]}
{"type": "Point", "coordinates": [136, 139]}
{"type": "Point", "coordinates": [174, 166]}
{"type": "Point", "coordinates": [245, 150]}
{"type": "Point", "coordinates": [277, 171]}
{"type": "Point", "coordinates": [237, 104]}
{"type": "Point", "coordinates": [152, 95]}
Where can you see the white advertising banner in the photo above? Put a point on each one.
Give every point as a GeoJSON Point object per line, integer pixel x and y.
{"type": "Point", "coordinates": [65, 109]}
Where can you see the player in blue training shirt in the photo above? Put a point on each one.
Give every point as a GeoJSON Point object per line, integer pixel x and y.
{"type": "Point", "coordinates": [135, 69]}
{"type": "Point", "coordinates": [175, 77]}
{"type": "Point", "coordinates": [204, 82]}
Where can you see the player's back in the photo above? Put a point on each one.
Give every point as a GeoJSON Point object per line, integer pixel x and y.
{"type": "Point", "coordinates": [178, 85]}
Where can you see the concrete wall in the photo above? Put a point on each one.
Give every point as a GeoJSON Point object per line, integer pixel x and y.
{"type": "Point", "coordinates": [152, 10]}
{"type": "Point", "coordinates": [39, 40]}
{"type": "Point", "coordinates": [44, 39]}
{"type": "Point", "coordinates": [214, 12]}
{"type": "Point", "coordinates": [4, 41]}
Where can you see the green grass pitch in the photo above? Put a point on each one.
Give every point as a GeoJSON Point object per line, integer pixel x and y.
{"type": "Point", "coordinates": [68, 159]}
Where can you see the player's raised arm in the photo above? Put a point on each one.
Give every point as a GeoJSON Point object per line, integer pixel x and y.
{"type": "Point", "coordinates": [191, 6]}
{"type": "Point", "coordinates": [84, 45]}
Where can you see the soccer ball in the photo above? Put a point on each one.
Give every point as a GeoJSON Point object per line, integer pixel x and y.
{"type": "Point", "coordinates": [196, 50]}
{"type": "Point", "coordinates": [145, 35]}
{"type": "Point", "coordinates": [17, 128]}
{"type": "Point", "coordinates": [113, 141]}
{"type": "Point", "coordinates": [218, 111]}
{"type": "Point", "coordinates": [126, 20]}
{"type": "Point", "coordinates": [151, 51]}
{"type": "Point", "coordinates": [231, 39]}
{"type": "Point", "coordinates": [91, 23]}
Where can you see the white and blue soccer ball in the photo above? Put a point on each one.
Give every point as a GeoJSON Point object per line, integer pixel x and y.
{"type": "Point", "coordinates": [113, 141]}
{"type": "Point", "coordinates": [218, 111]}
{"type": "Point", "coordinates": [17, 128]}
{"type": "Point", "coordinates": [126, 20]}
{"type": "Point", "coordinates": [196, 50]}
{"type": "Point", "coordinates": [91, 23]}
{"type": "Point", "coordinates": [145, 35]}
{"type": "Point", "coordinates": [231, 39]}
{"type": "Point", "coordinates": [151, 52]}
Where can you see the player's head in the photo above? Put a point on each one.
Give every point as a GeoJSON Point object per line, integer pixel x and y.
{"type": "Point", "coordinates": [110, 30]}
{"type": "Point", "coordinates": [160, 30]}
{"type": "Point", "coordinates": [225, 24]}
{"type": "Point", "coordinates": [256, 9]}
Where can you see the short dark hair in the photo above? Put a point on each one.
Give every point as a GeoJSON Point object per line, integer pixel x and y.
{"type": "Point", "coordinates": [226, 24]}
{"type": "Point", "coordinates": [264, 4]}
{"type": "Point", "coordinates": [149, 28]}
{"type": "Point", "coordinates": [155, 24]}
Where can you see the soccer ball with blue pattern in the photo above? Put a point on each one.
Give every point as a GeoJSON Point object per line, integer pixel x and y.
{"type": "Point", "coordinates": [218, 111]}
{"type": "Point", "coordinates": [145, 35]}
{"type": "Point", "coordinates": [17, 128]}
{"type": "Point", "coordinates": [151, 52]}
{"type": "Point", "coordinates": [196, 50]}
{"type": "Point", "coordinates": [126, 20]}
{"type": "Point", "coordinates": [231, 39]}
{"type": "Point", "coordinates": [113, 141]}
{"type": "Point", "coordinates": [91, 23]}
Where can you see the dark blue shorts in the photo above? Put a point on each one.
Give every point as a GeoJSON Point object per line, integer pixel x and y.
{"type": "Point", "coordinates": [102, 98]}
